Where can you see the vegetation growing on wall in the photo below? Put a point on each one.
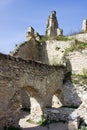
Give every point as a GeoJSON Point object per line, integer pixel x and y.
{"type": "Point", "coordinates": [76, 47]}
{"type": "Point", "coordinates": [61, 38]}
{"type": "Point", "coordinates": [44, 39]}
{"type": "Point", "coordinates": [58, 38]}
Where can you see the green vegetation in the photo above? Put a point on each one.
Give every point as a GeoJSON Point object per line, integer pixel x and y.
{"type": "Point", "coordinates": [84, 73]}
{"type": "Point", "coordinates": [61, 38]}
{"type": "Point", "coordinates": [79, 79]}
{"type": "Point", "coordinates": [44, 39]}
{"type": "Point", "coordinates": [44, 122]}
{"type": "Point", "coordinates": [77, 46]}
{"type": "Point", "coordinates": [13, 128]}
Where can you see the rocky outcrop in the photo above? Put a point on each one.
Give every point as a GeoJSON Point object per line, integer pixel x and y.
{"type": "Point", "coordinates": [52, 28]}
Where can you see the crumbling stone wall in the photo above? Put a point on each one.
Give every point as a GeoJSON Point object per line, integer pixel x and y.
{"type": "Point", "coordinates": [40, 81]}
{"type": "Point", "coordinates": [27, 50]}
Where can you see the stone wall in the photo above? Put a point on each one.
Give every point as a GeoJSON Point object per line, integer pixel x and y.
{"type": "Point", "coordinates": [40, 81]}
{"type": "Point", "coordinates": [53, 51]}
{"type": "Point", "coordinates": [27, 50]}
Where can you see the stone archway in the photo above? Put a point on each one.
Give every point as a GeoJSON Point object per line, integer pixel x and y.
{"type": "Point", "coordinates": [36, 105]}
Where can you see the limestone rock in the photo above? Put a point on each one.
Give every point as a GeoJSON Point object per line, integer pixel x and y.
{"type": "Point", "coordinates": [78, 61]}
{"type": "Point", "coordinates": [84, 25]}
{"type": "Point", "coordinates": [52, 28]}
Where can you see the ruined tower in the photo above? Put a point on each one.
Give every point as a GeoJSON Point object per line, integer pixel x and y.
{"type": "Point", "coordinates": [52, 28]}
{"type": "Point", "coordinates": [84, 25]}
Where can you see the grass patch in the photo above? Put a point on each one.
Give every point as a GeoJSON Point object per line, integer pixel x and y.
{"type": "Point", "coordinates": [61, 38]}
{"type": "Point", "coordinates": [43, 39]}
{"type": "Point", "coordinates": [79, 79]}
{"type": "Point", "coordinates": [58, 38]}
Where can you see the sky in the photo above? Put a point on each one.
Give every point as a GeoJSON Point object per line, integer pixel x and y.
{"type": "Point", "coordinates": [17, 15]}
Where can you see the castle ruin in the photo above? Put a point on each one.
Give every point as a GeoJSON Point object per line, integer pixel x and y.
{"type": "Point", "coordinates": [35, 73]}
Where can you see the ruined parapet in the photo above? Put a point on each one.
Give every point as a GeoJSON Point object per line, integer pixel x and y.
{"type": "Point", "coordinates": [52, 28]}
{"type": "Point", "coordinates": [32, 34]}
{"type": "Point", "coordinates": [84, 25]}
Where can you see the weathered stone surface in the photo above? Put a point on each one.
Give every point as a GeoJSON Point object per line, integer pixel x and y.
{"type": "Point", "coordinates": [58, 114]}
{"type": "Point", "coordinates": [50, 52]}
{"type": "Point", "coordinates": [71, 94]}
{"type": "Point", "coordinates": [80, 37]}
{"type": "Point", "coordinates": [52, 28]}
{"type": "Point", "coordinates": [84, 25]}
{"type": "Point", "coordinates": [53, 52]}
{"type": "Point", "coordinates": [35, 78]}
{"type": "Point", "coordinates": [27, 50]}
{"type": "Point", "coordinates": [78, 61]}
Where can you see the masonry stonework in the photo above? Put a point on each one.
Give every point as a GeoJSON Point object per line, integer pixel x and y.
{"type": "Point", "coordinates": [35, 78]}
{"type": "Point", "coordinates": [52, 28]}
